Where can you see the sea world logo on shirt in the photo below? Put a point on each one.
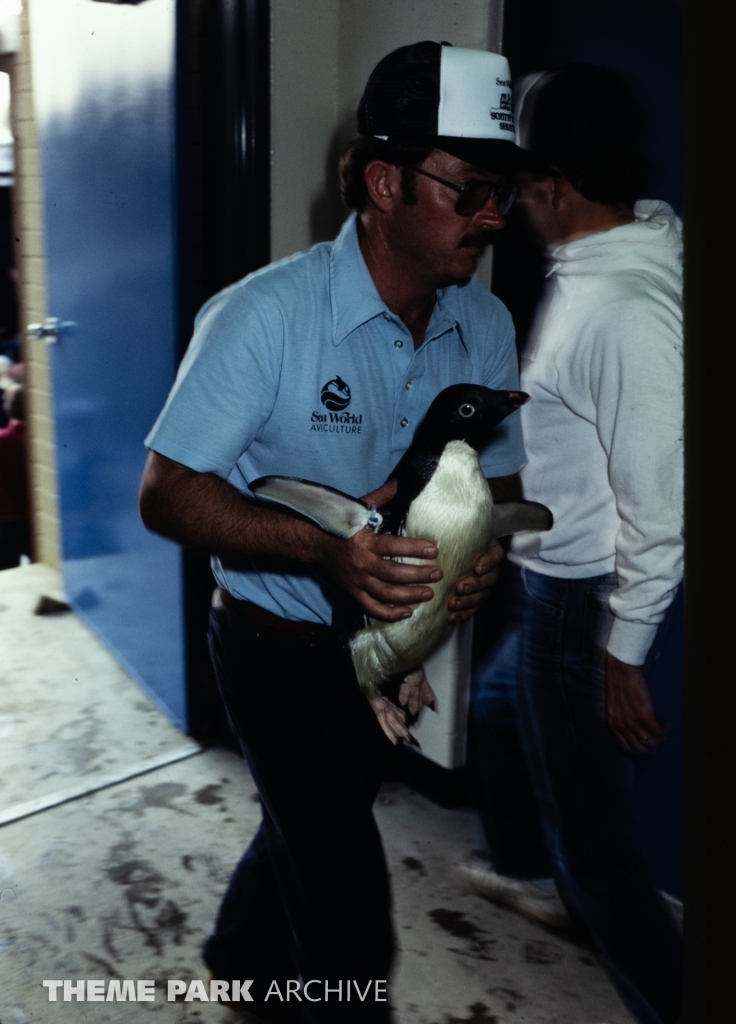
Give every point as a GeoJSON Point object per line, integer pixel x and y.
{"type": "Point", "coordinates": [335, 396]}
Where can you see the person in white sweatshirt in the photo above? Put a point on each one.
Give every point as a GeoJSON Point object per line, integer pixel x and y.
{"type": "Point", "coordinates": [603, 435]}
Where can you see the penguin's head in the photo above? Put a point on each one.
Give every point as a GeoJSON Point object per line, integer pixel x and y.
{"type": "Point", "coordinates": [466, 412]}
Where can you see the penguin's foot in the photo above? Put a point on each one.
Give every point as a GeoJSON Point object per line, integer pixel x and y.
{"type": "Point", "coordinates": [415, 692]}
{"type": "Point", "coordinates": [391, 719]}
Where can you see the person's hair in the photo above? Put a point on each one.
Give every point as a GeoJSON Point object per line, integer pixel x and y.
{"type": "Point", "coordinates": [616, 181]}
{"type": "Point", "coordinates": [584, 121]}
{"type": "Point", "coordinates": [404, 153]}
{"type": "Point", "coordinates": [15, 403]}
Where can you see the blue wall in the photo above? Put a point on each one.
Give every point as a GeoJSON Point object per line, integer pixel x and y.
{"type": "Point", "coordinates": [642, 40]}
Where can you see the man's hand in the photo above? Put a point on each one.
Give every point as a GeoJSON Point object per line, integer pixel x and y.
{"type": "Point", "coordinates": [629, 708]}
{"type": "Point", "coordinates": [472, 590]}
{"type": "Point", "coordinates": [366, 566]}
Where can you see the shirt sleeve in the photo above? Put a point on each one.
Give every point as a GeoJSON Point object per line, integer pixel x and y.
{"type": "Point", "coordinates": [226, 385]}
{"type": "Point", "coordinates": [636, 381]}
{"type": "Point", "coordinates": [504, 454]}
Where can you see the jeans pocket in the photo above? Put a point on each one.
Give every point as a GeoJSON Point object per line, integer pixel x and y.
{"type": "Point", "coordinates": [549, 591]}
{"type": "Point", "coordinates": [596, 628]}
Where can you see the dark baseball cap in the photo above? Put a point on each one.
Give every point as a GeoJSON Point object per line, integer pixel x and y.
{"type": "Point", "coordinates": [460, 99]}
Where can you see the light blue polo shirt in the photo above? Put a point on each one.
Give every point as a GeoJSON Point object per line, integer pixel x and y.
{"type": "Point", "coordinates": [300, 369]}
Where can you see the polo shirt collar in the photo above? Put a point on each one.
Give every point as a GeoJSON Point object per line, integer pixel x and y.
{"type": "Point", "coordinates": [355, 299]}
{"type": "Point", "coordinates": [446, 315]}
{"type": "Point", "coordinates": [353, 295]}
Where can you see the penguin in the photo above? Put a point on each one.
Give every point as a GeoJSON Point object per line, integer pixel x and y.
{"type": "Point", "coordinates": [443, 496]}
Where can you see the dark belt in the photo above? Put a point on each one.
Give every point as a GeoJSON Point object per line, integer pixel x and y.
{"type": "Point", "coordinates": [314, 632]}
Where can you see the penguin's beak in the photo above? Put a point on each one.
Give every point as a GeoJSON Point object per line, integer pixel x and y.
{"type": "Point", "coordinates": [518, 398]}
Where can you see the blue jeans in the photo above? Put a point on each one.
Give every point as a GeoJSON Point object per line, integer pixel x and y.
{"type": "Point", "coordinates": [550, 663]}
{"type": "Point", "coordinates": [504, 794]}
{"type": "Point", "coordinates": [310, 897]}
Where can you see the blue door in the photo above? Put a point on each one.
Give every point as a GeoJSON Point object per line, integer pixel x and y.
{"type": "Point", "coordinates": [104, 92]}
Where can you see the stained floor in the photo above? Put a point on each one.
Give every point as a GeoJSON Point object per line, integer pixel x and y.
{"type": "Point", "coordinates": [123, 883]}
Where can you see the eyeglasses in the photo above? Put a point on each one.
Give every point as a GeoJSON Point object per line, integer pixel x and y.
{"type": "Point", "coordinates": [474, 194]}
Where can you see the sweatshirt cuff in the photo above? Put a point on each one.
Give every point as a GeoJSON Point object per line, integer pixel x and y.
{"type": "Point", "coordinates": [630, 641]}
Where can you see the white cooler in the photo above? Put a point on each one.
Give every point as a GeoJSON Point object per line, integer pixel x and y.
{"type": "Point", "coordinates": [442, 735]}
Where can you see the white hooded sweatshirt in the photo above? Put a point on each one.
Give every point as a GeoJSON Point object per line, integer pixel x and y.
{"type": "Point", "coordinates": [603, 429]}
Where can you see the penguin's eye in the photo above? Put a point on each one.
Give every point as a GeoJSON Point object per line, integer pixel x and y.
{"type": "Point", "coordinates": [466, 410]}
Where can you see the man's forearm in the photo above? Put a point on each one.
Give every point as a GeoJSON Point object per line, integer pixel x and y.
{"type": "Point", "coordinates": [200, 510]}
{"type": "Point", "coordinates": [203, 511]}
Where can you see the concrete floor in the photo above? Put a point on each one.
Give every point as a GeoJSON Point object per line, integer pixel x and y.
{"type": "Point", "coordinates": [123, 883]}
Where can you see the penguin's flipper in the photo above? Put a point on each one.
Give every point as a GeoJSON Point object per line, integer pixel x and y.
{"type": "Point", "coordinates": [517, 516]}
{"type": "Point", "coordinates": [333, 511]}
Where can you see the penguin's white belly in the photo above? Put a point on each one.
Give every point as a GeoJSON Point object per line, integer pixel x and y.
{"type": "Point", "coordinates": [455, 510]}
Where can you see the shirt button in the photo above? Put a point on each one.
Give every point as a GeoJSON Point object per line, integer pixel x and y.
{"type": "Point", "coordinates": [409, 384]}
{"type": "Point", "coordinates": [398, 343]}
{"type": "Point", "coordinates": [386, 316]}
{"type": "Point", "coordinates": [404, 422]}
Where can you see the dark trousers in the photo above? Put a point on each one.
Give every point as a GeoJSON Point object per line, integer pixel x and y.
{"type": "Point", "coordinates": [310, 898]}
{"type": "Point", "coordinates": [577, 786]}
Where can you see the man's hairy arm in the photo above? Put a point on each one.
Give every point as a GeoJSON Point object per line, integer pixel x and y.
{"type": "Point", "coordinates": [203, 511]}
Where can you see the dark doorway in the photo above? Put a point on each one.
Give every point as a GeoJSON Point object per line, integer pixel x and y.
{"type": "Point", "coordinates": [226, 224]}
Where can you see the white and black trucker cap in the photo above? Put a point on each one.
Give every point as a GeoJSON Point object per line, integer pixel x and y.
{"type": "Point", "coordinates": [459, 97]}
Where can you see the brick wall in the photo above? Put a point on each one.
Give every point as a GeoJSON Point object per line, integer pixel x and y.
{"type": "Point", "coordinates": [30, 261]}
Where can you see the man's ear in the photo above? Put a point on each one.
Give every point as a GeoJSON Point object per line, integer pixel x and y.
{"type": "Point", "coordinates": [561, 192]}
{"type": "Point", "coordinates": [383, 181]}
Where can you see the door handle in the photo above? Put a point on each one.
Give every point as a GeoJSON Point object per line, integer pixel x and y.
{"type": "Point", "coordinates": [50, 330]}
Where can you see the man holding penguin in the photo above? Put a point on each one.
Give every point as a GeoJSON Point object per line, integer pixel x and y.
{"type": "Point", "coordinates": [375, 325]}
